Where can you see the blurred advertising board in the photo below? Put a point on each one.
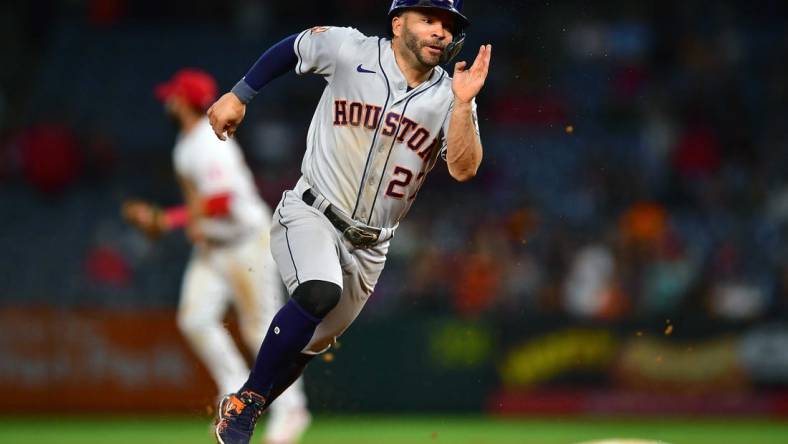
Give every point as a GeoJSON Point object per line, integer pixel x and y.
{"type": "Point", "coordinates": [136, 361]}
{"type": "Point", "coordinates": [101, 361]}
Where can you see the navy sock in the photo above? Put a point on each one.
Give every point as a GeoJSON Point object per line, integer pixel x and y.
{"type": "Point", "coordinates": [288, 377]}
{"type": "Point", "coordinates": [290, 331]}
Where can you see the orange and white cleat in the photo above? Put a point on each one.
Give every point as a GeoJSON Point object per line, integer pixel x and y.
{"type": "Point", "coordinates": [238, 414]}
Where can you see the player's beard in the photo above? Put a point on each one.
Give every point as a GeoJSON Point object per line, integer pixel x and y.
{"type": "Point", "coordinates": [415, 46]}
{"type": "Point", "coordinates": [172, 116]}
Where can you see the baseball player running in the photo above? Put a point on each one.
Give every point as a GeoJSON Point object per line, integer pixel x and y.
{"type": "Point", "coordinates": [231, 262]}
{"type": "Point", "coordinates": [388, 112]}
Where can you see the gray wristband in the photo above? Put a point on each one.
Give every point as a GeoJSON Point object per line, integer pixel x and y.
{"type": "Point", "coordinates": [243, 91]}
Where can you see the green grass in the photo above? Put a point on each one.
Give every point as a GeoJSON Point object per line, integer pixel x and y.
{"type": "Point", "coordinates": [401, 430]}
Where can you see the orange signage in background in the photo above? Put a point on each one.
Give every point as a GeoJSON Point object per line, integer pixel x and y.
{"type": "Point", "coordinates": [705, 366]}
{"type": "Point", "coordinates": [100, 361]}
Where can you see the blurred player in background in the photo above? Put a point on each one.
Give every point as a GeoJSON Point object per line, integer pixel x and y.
{"type": "Point", "coordinates": [228, 224]}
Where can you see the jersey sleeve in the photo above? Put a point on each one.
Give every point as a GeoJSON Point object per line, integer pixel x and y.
{"type": "Point", "coordinates": [318, 49]}
{"type": "Point", "coordinates": [445, 128]}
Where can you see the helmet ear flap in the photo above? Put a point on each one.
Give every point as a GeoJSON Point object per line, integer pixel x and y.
{"type": "Point", "coordinates": [453, 48]}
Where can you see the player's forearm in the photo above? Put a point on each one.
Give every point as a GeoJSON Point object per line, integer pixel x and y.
{"type": "Point", "coordinates": [276, 61]}
{"type": "Point", "coordinates": [216, 206]}
{"type": "Point", "coordinates": [464, 151]}
{"type": "Point", "coordinates": [197, 205]}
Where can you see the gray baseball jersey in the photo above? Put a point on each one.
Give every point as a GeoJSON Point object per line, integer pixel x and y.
{"type": "Point", "coordinates": [371, 143]}
{"type": "Point", "coordinates": [372, 139]}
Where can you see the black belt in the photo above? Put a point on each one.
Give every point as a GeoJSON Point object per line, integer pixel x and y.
{"type": "Point", "coordinates": [361, 237]}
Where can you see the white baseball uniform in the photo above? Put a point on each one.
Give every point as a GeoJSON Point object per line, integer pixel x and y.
{"type": "Point", "coordinates": [370, 145]}
{"type": "Point", "coordinates": [233, 267]}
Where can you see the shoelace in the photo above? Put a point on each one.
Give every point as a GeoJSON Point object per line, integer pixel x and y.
{"type": "Point", "coordinates": [250, 414]}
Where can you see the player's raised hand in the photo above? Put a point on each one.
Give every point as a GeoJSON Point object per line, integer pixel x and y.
{"type": "Point", "coordinates": [466, 83]}
{"type": "Point", "coordinates": [225, 115]}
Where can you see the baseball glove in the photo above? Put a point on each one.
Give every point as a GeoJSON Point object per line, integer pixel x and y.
{"type": "Point", "coordinates": [146, 217]}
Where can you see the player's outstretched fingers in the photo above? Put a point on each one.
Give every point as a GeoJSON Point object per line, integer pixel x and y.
{"type": "Point", "coordinates": [478, 62]}
{"type": "Point", "coordinates": [487, 57]}
{"type": "Point", "coordinates": [480, 66]}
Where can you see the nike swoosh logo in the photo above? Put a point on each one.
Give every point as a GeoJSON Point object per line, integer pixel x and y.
{"type": "Point", "coordinates": [359, 68]}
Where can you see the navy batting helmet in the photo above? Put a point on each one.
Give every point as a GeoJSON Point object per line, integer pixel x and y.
{"type": "Point", "coordinates": [453, 6]}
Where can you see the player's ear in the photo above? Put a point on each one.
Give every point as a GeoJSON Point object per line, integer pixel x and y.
{"type": "Point", "coordinates": [396, 25]}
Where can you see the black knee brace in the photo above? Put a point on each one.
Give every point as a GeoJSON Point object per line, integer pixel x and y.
{"type": "Point", "coordinates": [317, 297]}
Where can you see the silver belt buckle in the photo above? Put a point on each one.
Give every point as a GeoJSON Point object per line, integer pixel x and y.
{"type": "Point", "coordinates": [360, 237]}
